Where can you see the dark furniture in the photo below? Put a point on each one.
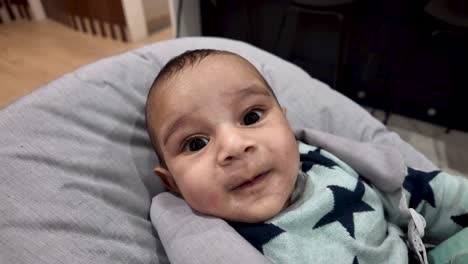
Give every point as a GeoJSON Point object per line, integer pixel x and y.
{"type": "Point", "coordinates": [301, 28]}
{"type": "Point", "coordinates": [398, 57]}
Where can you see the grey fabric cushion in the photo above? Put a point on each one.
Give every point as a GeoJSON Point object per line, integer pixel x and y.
{"type": "Point", "coordinates": [189, 237]}
{"type": "Point", "coordinates": [76, 164]}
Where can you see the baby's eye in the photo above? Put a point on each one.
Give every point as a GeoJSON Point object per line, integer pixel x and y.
{"type": "Point", "coordinates": [195, 144]}
{"type": "Point", "coordinates": [252, 117]}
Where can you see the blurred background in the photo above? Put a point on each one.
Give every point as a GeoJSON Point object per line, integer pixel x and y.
{"type": "Point", "coordinates": [404, 61]}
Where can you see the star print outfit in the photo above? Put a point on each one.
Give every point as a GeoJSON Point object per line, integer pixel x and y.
{"type": "Point", "coordinates": [336, 216]}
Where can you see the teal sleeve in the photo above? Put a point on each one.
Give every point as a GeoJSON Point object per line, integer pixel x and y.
{"type": "Point", "coordinates": [438, 196]}
{"type": "Point", "coordinates": [453, 250]}
{"type": "Point", "coordinates": [441, 198]}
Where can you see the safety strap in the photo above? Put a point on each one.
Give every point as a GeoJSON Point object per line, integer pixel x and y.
{"type": "Point", "coordinates": [416, 225]}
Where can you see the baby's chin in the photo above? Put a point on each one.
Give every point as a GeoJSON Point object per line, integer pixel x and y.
{"type": "Point", "coordinates": [257, 214]}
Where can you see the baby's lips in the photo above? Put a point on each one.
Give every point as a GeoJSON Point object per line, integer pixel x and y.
{"type": "Point", "coordinates": [239, 184]}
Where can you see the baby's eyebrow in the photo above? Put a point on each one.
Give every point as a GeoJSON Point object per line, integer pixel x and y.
{"type": "Point", "coordinates": [250, 91]}
{"type": "Point", "coordinates": [179, 122]}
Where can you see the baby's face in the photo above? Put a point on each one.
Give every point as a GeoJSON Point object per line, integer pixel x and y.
{"type": "Point", "coordinates": [226, 142]}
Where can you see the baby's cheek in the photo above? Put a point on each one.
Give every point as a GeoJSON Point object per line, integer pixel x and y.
{"type": "Point", "coordinates": [205, 201]}
{"type": "Point", "coordinates": [213, 200]}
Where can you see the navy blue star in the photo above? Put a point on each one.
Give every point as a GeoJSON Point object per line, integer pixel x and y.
{"type": "Point", "coordinates": [257, 234]}
{"type": "Point", "coordinates": [355, 261]}
{"type": "Point", "coordinates": [461, 220]}
{"type": "Point", "coordinates": [346, 203]}
{"type": "Point", "coordinates": [417, 183]}
{"type": "Point", "coordinates": [315, 158]}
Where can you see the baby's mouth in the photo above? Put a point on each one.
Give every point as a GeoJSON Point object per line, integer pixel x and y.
{"type": "Point", "coordinates": [251, 182]}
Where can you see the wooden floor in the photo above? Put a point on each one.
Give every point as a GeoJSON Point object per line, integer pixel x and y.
{"type": "Point", "coordinates": [34, 53]}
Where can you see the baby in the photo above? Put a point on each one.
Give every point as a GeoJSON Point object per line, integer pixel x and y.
{"type": "Point", "coordinates": [226, 147]}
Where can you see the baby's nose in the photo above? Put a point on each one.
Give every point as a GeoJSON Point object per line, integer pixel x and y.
{"type": "Point", "coordinates": [235, 144]}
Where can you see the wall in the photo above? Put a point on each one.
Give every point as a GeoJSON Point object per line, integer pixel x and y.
{"type": "Point", "coordinates": [190, 24]}
{"type": "Point", "coordinates": [155, 9]}
{"type": "Point", "coordinates": [157, 14]}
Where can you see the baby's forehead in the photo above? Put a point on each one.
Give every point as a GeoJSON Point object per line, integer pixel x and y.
{"type": "Point", "coordinates": [227, 62]}
{"type": "Point", "coordinates": [200, 70]}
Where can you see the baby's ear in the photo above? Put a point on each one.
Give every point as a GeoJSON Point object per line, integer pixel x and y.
{"type": "Point", "coordinates": [166, 178]}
